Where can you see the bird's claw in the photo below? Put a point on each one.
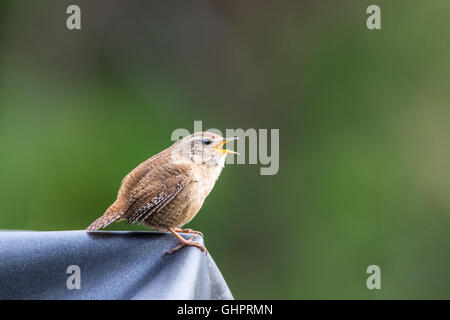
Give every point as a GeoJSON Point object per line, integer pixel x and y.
{"type": "Point", "coordinates": [190, 231]}
{"type": "Point", "coordinates": [190, 242]}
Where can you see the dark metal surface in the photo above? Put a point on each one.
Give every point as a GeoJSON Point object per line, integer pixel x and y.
{"type": "Point", "coordinates": [113, 265]}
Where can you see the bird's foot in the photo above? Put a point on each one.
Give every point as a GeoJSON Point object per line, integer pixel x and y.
{"type": "Point", "coordinates": [184, 243]}
{"type": "Point", "coordinates": [188, 231]}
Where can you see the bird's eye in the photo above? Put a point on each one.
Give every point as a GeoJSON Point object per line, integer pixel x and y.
{"type": "Point", "coordinates": [206, 141]}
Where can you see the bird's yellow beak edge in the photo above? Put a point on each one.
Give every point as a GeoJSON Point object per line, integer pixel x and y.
{"type": "Point", "coordinates": [218, 147]}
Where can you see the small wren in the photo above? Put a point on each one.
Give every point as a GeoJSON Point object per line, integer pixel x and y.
{"type": "Point", "coordinates": [166, 191]}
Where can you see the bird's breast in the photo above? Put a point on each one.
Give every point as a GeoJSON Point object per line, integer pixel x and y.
{"type": "Point", "coordinates": [206, 178]}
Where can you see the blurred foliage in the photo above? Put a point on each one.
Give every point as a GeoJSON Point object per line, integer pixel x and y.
{"type": "Point", "coordinates": [363, 116]}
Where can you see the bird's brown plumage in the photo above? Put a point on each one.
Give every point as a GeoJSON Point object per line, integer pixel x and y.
{"type": "Point", "coordinates": [163, 192]}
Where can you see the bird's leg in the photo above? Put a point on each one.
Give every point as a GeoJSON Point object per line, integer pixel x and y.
{"type": "Point", "coordinates": [179, 230]}
{"type": "Point", "coordinates": [184, 242]}
{"type": "Point", "coordinates": [188, 231]}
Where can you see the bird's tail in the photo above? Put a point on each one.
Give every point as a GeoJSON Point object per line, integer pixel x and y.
{"type": "Point", "coordinates": [106, 219]}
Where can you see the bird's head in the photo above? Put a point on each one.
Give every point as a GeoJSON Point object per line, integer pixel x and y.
{"type": "Point", "coordinates": [204, 148]}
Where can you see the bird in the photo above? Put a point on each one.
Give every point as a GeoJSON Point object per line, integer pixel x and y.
{"type": "Point", "coordinates": [166, 191]}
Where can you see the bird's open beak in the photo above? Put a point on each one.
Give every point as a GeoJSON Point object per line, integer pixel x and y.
{"type": "Point", "coordinates": [225, 140]}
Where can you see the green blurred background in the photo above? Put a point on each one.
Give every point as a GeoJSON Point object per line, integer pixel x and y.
{"type": "Point", "coordinates": [363, 116]}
